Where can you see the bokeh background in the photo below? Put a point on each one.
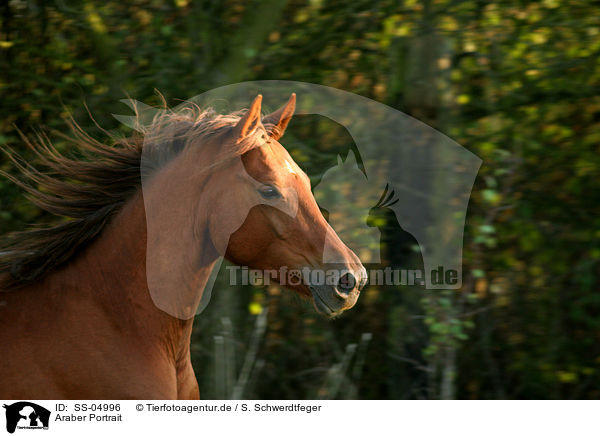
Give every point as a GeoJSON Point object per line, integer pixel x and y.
{"type": "Point", "coordinates": [515, 82]}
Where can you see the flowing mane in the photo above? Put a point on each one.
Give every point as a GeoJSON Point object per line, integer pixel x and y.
{"type": "Point", "coordinates": [88, 190]}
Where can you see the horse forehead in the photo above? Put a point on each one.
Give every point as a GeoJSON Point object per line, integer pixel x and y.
{"type": "Point", "coordinates": [289, 167]}
{"type": "Point", "coordinates": [274, 158]}
{"type": "Point", "coordinates": [284, 160]}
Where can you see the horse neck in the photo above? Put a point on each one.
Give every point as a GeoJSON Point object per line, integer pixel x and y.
{"type": "Point", "coordinates": [111, 274]}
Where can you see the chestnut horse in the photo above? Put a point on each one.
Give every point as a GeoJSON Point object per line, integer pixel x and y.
{"type": "Point", "coordinates": [77, 317]}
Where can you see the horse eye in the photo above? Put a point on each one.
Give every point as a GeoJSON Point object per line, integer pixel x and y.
{"type": "Point", "coordinates": [269, 192]}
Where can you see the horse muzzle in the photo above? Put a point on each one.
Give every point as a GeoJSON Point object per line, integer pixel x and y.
{"type": "Point", "coordinates": [331, 299]}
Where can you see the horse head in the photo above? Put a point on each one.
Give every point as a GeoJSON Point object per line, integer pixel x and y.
{"type": "Point", "coordinates": [235, 191]}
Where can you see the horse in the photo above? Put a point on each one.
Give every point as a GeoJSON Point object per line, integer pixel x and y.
{"type": "Point", "coordinates": [80, 316]}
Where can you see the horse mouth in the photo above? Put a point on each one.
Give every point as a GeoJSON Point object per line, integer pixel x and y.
{"type": "Point", "coordinates": [321, 305]}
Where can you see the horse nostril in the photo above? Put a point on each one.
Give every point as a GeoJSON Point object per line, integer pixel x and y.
{"type": "Point", "coordinates": [347, 283]}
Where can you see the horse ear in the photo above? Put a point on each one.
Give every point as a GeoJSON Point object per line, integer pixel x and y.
{"type": "Point", "coordinates": [279, 119]}
{"type": "Point", "coordinates": [249, 122]}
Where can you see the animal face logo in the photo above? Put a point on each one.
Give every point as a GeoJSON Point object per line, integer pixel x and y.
{"type": "Point", "coordinates": [348, 197]}
{"type": "Point", "coordinates": [360, 210]}
{"type": "Point", "coordinates": [26, 415]}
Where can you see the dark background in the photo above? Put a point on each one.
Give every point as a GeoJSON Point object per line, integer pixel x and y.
{"type": "Point", "coordinates": [515, 82]}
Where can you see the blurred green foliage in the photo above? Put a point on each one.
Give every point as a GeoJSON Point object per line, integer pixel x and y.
{"type": "Point", "coordinates": [517, 83]}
